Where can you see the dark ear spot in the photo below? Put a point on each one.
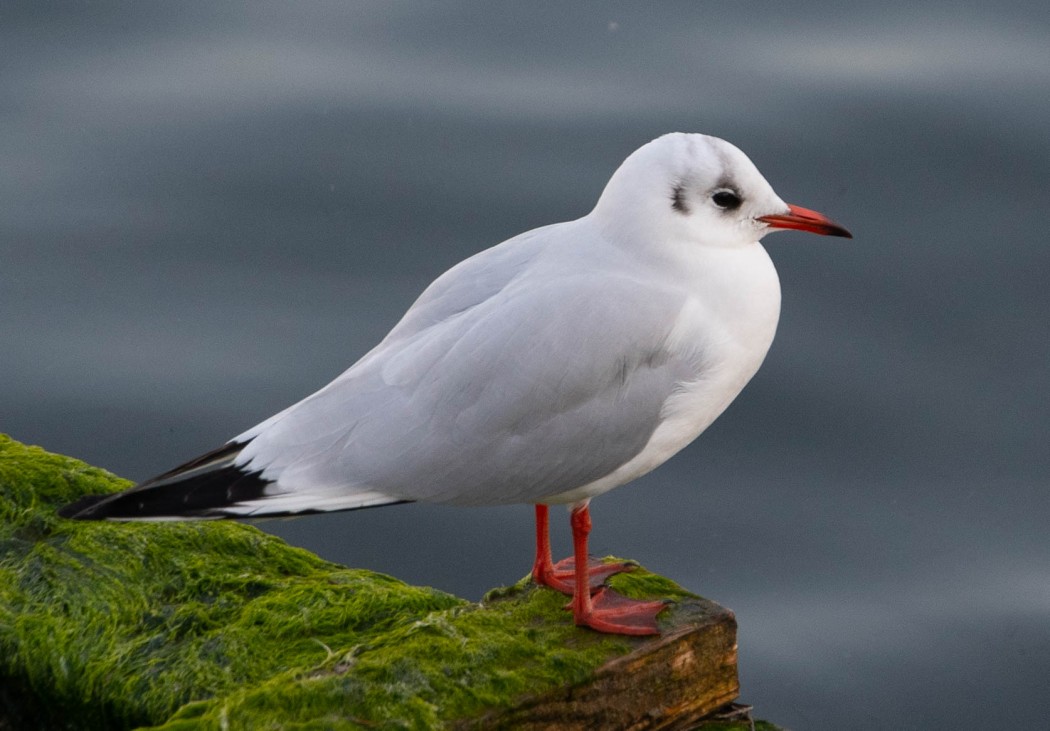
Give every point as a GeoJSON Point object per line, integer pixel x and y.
{"type": "Point", "coordinates": [678, 200]}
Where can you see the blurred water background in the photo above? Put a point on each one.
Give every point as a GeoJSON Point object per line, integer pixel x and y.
{"type": "Point", "coordinates": [208, 210]}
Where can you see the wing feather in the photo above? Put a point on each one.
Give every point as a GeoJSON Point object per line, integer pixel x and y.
{"type": "Point", "coordinates": [540, 383]}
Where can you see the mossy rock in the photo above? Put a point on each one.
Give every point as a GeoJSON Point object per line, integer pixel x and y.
{"type": "Point", "coordinates": [188, 625]}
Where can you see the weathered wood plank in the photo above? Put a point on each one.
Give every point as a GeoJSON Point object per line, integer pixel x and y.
{"type": "Point", "coordinates": [668, 682]}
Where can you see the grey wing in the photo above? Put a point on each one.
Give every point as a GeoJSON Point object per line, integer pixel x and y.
{"type": "Point", "coordinates": [470, 283]}
{"type": "Point", "coordinates": [533, 391]}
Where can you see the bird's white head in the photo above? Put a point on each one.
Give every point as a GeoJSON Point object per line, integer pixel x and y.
{"type": "Point", "coordinates": [699, 189]}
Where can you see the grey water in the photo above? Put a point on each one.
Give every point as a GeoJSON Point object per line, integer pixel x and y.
{"type": "Point", "coordinates": [207, 211]}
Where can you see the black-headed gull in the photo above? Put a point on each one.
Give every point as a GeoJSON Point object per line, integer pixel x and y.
{"type": "Point", "coordinates": [549, 369]}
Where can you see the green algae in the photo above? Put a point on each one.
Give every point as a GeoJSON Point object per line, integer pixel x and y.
{"type": "Point", "coordinates": [117, 625]}
{"type": "Point", "coordinates": [218, 625]}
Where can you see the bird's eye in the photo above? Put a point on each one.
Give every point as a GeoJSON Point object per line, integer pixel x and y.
{"type": "Point", "coordinates": [726, 199]}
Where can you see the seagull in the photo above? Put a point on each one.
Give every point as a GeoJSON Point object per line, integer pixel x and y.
{"type": "Point", "coordinates": [546, 370]}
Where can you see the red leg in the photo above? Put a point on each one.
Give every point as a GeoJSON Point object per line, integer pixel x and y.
{"type": "Point", "coordinates": [543, 566]}
{"type": "Point", "coordinates": [607, 611]}
{"type": "Point", "coordinates": [561, 576]}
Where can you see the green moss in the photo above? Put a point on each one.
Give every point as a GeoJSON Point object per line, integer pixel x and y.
{"type": "Point", "coordinates": [218, 625]}
{"type": "Point", "coordinates": [118, 624]}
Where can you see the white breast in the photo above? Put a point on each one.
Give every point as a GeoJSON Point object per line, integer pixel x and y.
{"type": "Point", "coordinates": [723, 333]}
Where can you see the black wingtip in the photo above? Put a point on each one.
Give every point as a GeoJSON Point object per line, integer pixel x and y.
{"type": "Point", "coordinates": [201, 488]}
{"type": "Point", "coordinates": [83, 505]}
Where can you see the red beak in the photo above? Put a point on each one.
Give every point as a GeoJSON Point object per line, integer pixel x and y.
{"type": "Point", "coordinates": [804, 219]}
